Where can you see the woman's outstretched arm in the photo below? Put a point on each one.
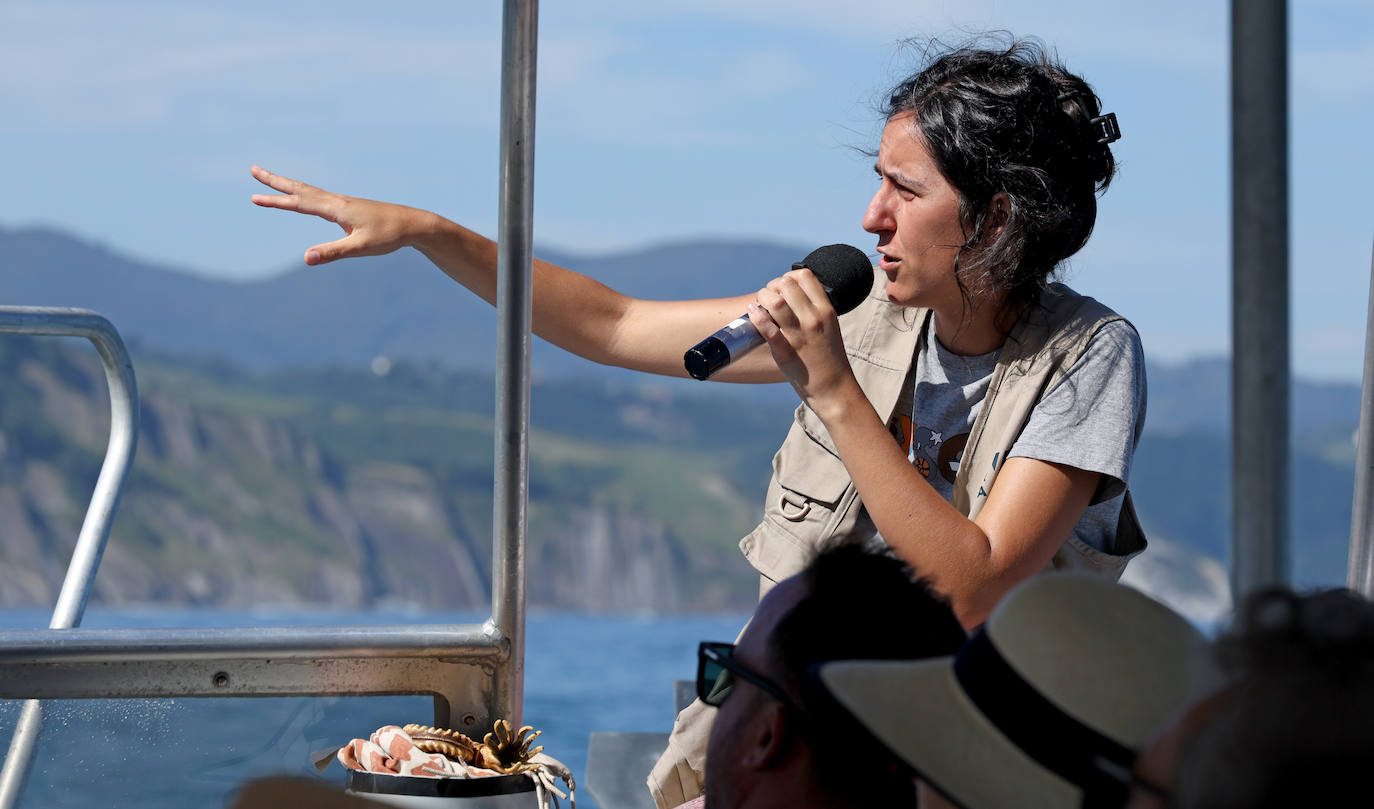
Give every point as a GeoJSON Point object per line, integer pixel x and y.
{"type": "Point", "coordinates": [570, 310]}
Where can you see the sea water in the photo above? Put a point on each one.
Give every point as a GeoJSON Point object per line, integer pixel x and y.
{"type": "Point", "coordinates": [584, 673]}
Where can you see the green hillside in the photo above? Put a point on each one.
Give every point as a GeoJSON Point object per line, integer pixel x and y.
{"type": "Point", "coordinates": [347, 487]}
{"type": "Point", "coordinates": [342, 486]}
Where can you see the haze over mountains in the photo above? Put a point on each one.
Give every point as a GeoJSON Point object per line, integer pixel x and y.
{"type": "Point", "coordinates": [280, 350]}
{"type": "Point", "coordinates": [349, 312]}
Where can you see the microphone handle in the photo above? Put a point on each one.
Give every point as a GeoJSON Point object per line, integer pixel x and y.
{"type": "Point", "coordinates": [734, 340]}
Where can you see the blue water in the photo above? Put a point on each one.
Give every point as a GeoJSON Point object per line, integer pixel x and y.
{"type": "Point", "coordinates": [584, 673]}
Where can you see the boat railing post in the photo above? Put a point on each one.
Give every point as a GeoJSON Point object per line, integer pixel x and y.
{"type": "Point", "coordinates": [519, 34]}
{"type": "Point", "coordinates": [1360, 573]}
{"type": "Point", "coordinates": [95, 528]}
{"type": "Point", "coordinates": [1259, 283]}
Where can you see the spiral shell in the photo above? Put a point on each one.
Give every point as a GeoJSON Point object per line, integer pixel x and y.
{"type": "Point", "coordinates": [503, 750]}
{"type": "Point", "coordinates": [450, 743]}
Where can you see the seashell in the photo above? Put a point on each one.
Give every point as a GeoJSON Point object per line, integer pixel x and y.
{"type": "Point", "coordinates": [450, 743]}
{"type": "Point", "coordinates": [509, 751]}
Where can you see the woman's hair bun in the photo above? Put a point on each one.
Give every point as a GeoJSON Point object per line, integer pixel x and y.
{"type": "Point", "coordinates": [1098, 131]}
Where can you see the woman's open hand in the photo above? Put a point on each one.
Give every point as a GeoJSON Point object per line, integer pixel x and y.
{"type": "Point", "coordinates": [372, 228]}
{"type": "Point", "coordinates": [795, 316]}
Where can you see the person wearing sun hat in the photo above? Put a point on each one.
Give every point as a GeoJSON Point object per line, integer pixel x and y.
{"type": "Point", "coordinates": [1046, 704]}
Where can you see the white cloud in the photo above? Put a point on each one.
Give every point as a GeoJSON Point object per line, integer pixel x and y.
{"type": "Point", "coordinates": [130, 67]}
{"type": "Point", "coordinates": [577, 58]}
{"type": "Point", "coordinates": [1340, 74]}
{"type": "Point", "coordinates": [117, 65]}
{"type": "Point", "coordinates": [770, 71]}
{"type": "Point", "coordinates": [1174, 34]}
{"type": "Point", "coordinates": [1328, 339]}
{"type": "Point", "coordinates": [591, 94]}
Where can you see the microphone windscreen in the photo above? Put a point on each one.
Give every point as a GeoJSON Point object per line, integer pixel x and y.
{"type": "Point", "coordinates": [844, 271]}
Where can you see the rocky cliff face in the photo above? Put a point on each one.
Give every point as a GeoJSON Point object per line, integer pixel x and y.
{"type": "Point", "coordinates": [231, 505]}
{"type": "Point", "coordinates": [341, 488]}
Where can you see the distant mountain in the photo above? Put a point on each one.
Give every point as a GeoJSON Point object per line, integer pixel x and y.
{"type": "Point", "coordinates": [327, 324]}
{"type": "Point", "coordinates": [401, 306]}
{"type": "Point", "coordinates": [343, 487]}
{"type": "Point", "coordinates": [349, 312]}
{"type": "Point", "coordinates": [1196, 396]}
{"type": "Point", "coordinates": [1181, 477]}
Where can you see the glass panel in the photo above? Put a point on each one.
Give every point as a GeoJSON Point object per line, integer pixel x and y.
{"type": "Point", "coordinates": [166, 753]}
{"type": "Point", "coordinates": [583, 673]}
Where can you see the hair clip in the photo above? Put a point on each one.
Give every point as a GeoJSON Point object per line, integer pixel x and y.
{"type": "Point", "coordinates": [1104, 126]}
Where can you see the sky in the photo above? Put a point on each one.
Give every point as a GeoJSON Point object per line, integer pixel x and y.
{"type": "Point", "coordinates": [133, 124]}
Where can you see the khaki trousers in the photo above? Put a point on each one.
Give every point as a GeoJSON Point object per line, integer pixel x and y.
{"type": "Point", "coordinates": [679, 775]}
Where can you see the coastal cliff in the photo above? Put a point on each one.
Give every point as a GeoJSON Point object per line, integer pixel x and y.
{"type": "Point", "coordinates": [302, 444]}
{"type": "Point", "coordinates": [243, 496]}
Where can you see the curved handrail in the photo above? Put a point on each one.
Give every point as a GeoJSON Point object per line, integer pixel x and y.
{"type": "Point", "coordinates": [119, 454]}
{"type": "Point", "coordinates": [95, 528]}
{"type": "Point", "coordinates": [1360, 570]}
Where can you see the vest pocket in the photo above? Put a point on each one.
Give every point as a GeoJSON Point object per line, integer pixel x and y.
{"type": "Point", "coordinates": [793, 507]}
{"type": "Point", "coordinates": [1130, 541]}
{"type": "Point", "coordinates": [774, 552]}
{"type": "Point", "coordinates": [1075, 554]}
{"type": "Point", "coordinates": [809, 484]}
{"type": "Point", "coordinates": [808, 464]}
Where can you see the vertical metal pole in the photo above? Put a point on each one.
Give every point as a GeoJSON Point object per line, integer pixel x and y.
{"type": "Point", "coordinates": [1259, 278]}
{"type": "Point", "coordinates": [519, 35]}
{"type": "Point", "coordinates": [14, 776]}
{"type": "Point", "coordinates": [1360, 574]}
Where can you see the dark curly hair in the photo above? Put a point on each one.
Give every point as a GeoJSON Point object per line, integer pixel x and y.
{"type": "Point", "coordinates": [1010, 120]}
{"type": "Point", "coordinates": [857, 605]}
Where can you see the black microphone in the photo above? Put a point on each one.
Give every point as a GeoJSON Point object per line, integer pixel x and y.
{"type": "Point", "coordinates": [843, 270]}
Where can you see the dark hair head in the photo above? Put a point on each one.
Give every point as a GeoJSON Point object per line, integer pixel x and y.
{"type": "Point", "coordinates": [1010, 120]}
{"type": "Point", "coordinates": [856, 605]}
{"type": "Point", "coordinates": [1299, 730]}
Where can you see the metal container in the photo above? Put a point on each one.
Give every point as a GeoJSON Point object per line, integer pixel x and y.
{"type": "Point", "coordinates": [413, 792]}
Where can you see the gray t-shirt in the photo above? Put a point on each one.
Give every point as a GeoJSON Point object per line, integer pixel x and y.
{"type": "Point", "coordinates": [1091, 419]}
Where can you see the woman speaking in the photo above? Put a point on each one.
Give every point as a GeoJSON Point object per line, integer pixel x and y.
{"type": "Point", "coordinates": [1015, 403]}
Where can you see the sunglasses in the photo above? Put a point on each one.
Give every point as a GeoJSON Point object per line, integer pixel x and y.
{"type": "Point", "coordinates": [717, 670]}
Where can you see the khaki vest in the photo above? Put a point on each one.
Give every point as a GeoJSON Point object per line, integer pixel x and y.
{"type": "Point", "coordinates": [811, 501]}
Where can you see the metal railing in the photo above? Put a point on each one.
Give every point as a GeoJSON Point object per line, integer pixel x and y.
{"type": "Point", "coordinates": [95, 528]}
{"type": "Point", "coordinates": [459, 665]}
{"type": "Point", "coordinates": [475, 672]}
{"type": "Point", "coordinates": [1360, 571]}
{"type": "Point", "coordinates": [514, 265]}
{"type": "Point", "coordinates": [1260, 452]}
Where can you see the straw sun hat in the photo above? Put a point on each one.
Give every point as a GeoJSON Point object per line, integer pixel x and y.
{"type": "Point", "coordinates": [1069, 670]}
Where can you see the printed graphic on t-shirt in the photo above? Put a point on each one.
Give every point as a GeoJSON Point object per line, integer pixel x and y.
{"type": "Point", "coordinates": [928, 449]}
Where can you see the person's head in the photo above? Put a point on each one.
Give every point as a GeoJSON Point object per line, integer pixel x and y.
{"type": "Point", "coordinates": [1023, 147]}
{"type": "Point", "coordinates": [1045, 706]}
{"type": "Point", "coordinates": [1296, 727]}
{"type": "Point", "coordinates": [801, 749]}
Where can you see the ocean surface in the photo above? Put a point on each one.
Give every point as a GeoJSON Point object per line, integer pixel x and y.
{"type": "Point", "coordinates": [584, 673]}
